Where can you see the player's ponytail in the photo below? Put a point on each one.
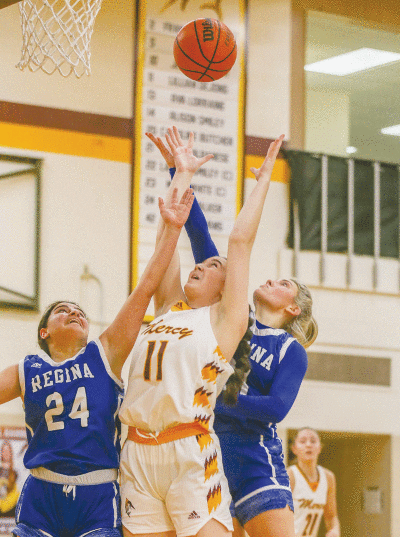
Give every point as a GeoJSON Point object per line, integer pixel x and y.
{"type": "Point", "coordinates": [242, 367]}
{"type": "Point", "coordinates": [303, 327]}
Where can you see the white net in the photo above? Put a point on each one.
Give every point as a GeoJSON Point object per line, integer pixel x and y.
{"type": "Point", "coordinates": [56, 35]}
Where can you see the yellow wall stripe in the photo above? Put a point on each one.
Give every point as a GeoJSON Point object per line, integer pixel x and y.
{"type": "Point", "coordinates": [65, 142]}
{"type": "Point", "coordinates": [139, 74]}
{"type": "Point", "coordinates": [281, 171]}
{"type": "Point", "coordinates": [98, 146]}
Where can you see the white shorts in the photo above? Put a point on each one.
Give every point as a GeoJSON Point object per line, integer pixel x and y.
{"type": "Point", "coordinates": [178, 485]}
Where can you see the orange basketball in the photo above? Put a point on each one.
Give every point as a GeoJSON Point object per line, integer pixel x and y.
{"type": "Point", "coordinates": [205, 49]}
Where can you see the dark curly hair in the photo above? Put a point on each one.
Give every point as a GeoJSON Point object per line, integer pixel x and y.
{"type": "Point", "coordinates": [242, 366]}
{"type": "Point", "coordinates": [43, 322]}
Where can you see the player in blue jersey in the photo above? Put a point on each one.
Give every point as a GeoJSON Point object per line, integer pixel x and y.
{"type": "Point", "coordinates": [72, 391]}
{"type": "Point", "coordinates": [251, 449]}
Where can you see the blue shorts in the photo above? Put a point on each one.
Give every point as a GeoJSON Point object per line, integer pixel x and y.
{"type": "Point", "coordinates": [68, 511]}
{"type": "Point", "coordinates": [257, 477]}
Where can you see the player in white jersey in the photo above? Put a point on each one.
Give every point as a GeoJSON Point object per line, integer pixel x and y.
{"type": "Point", "coordinates": [313, 488]}
{"type": "Point", "coordinates": [172, 476]}
{"type": "Point", "coordinates": [245, 422]}
{"type": "Point", "coordinates": [72, 390]}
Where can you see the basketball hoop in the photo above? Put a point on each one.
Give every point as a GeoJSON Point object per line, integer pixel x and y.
{"type": "Point", "coordinates": [56, 35]}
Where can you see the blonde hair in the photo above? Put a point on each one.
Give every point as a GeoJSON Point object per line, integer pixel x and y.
{"type": "Point", "coordinates": [303, 327]}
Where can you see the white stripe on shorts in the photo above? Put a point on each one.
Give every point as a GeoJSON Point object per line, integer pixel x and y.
{"type": "Point", "coordinates": [269, 457]}
{"type": "Point", "coordinates": [268, 487]}
{"type": "Point", "coordinates": [115, 507]}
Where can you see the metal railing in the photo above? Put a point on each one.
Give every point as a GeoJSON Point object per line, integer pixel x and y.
{"type": "Point", "coordinates": [350, 253]}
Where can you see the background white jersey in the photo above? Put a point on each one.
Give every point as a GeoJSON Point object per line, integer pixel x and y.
{"type": "Point", "coordinates": [177, 372]}
{"type": "Point", "coordinates": [308, 504]}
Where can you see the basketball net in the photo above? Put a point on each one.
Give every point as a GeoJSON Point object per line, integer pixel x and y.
{"type": "Point", "coordinates": [56, 35]}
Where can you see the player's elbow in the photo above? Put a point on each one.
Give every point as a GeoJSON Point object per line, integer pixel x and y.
{"type": "Point", "coordinates": [281, 411]}
{"type": "Point", "coordinates": [240, 236]}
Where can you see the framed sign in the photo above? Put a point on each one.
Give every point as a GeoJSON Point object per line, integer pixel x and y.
{"type": "Point", "coordinates": [20, 231]}
{"type": "Point", "coordinates": [213, 111]}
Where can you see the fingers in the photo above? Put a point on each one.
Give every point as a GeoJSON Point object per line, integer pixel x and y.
{"type": "Point", "coordinates": [191, 140]}
{"type": "Point", "coordinates": [170, 142]}
{"type": "Point", "coordinates": [205, 159]}
{"type": "Point", "coordinates": [272, 153]}
{"type": "Point", "coordinates": [151, 136]}
{"type": "Point", "coordinates": [177, 135]}
{"type": "Point", "coordinates": [156, 141]}
{"type": "Point", "coordinates": [274, 147]}
{"type": "Point", "coordinates": [174, 136]}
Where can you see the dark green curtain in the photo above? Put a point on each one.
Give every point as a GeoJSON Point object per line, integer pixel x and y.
{"type": "Point", "coordinates": [305, 188]}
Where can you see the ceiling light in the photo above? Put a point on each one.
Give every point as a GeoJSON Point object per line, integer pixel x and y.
{"type": "Point", "coordinates": [351, 149]}
{"type": "Point", "coordinates": [394, 130]}
{"type": "Point", "coordinates": [352, 62]}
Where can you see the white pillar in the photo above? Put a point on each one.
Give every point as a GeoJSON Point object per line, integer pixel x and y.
{"type": "Point", "coordinates": [327, 121]}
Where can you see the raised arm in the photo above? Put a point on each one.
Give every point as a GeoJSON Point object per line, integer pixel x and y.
{"type": "Point", "coordinates": [119, 338]}
{"type": "Point", "coordinates": [9, 384]}
{"type": "Point", "coordinates": [196, 227]}
{"type": "Point", "coordinates": [230, 315]}
{"type": "Point", "coordinates": [170, 288]}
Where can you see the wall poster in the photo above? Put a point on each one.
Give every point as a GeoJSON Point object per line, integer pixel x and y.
{"type": "Point", "coordinates": [214, 111]}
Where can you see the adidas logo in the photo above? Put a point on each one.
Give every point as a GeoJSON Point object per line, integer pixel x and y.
{"type": "Point", "coordinates": [193, 515]}
{"type": "Point", "coordinates": [128, 507]}
{"type": "Point", "coordinates": [36, 365]}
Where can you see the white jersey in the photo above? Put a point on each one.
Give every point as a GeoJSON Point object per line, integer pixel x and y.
{"type": "Point", "coordinates": [177, 372]}
{"type": "Point", "coordinates": [308, 504]}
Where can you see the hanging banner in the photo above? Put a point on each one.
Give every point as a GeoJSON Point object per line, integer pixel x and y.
{"type": "Point", "coordinates": [213, 111]}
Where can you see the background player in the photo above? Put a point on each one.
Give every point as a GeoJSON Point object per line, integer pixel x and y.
{"type": "Point", "coordinates": [251, 450]}
{"type": "Point", "coordinates": [9, 492]}
{"type": "Point", "coordinates": [72, 392]}
{"type": "Point", "coordinates": [172, 478]}
{"type": "Point", "coordinates": [313, 487]}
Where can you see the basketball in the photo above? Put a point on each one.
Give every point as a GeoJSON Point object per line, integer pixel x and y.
{"type": "Point", "coordinates": [205, 50]}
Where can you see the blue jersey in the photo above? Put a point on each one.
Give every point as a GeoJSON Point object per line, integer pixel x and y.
{"type": "Point", "coordinates": [278, 365]}
{"type": "Point", "coordinates": [71, 411]}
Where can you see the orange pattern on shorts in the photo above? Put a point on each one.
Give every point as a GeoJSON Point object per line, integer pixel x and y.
{"type": "Point", "coordinates": [204, 440]}
{"type": "Point", "coordinates": [201, 398]}
{"type": "Point", "coordinates": [211, 466]}
{"type": "Point", "coordinates": [203, 421]}
{"type": "Point", "coordinates": [214, 498]}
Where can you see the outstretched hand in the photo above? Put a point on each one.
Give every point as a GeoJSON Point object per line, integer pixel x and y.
{"type": "Point", "coordinates": [177, 214]}
{"type": "Point", "coordinates": [269, 161]}
{"type": "Point", "coordinates": [169, 159]}
{"type": "Point", "coordinates": [183, 156]}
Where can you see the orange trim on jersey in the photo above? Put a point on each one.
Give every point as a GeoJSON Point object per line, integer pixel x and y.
{"type": "Point", "coordinates": [183, 430]}
{"type": "Point", "coordinates": [312, 484]}
{"type": "Point", "coordinates": [180, 306]}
